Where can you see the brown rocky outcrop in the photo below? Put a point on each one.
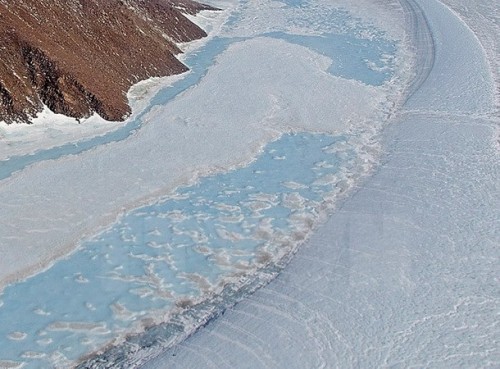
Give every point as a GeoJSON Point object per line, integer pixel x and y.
{"type": "Point", "coordinates": [81, 56]}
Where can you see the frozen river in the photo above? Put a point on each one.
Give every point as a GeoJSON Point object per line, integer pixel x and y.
{"type": "Point", "coordinates": [203, 197]}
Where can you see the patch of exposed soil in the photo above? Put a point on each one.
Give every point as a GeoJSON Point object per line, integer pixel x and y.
{"type": "Point", "coordinates": [81, 56]}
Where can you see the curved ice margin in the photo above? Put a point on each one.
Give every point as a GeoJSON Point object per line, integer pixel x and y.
{"type": "Point", "coordinates": [423, 43]}
{"type": "Point", "coordinates": [139, 349]}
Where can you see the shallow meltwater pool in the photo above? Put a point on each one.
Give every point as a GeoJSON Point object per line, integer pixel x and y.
{"type": "Point", "coordinates": [174, 252]}
{"type": "Point", "coordinates": [159, 260]}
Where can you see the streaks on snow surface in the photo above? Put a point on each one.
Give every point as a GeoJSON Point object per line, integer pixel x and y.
{"type": "Point", "coordinates": [401, 275]}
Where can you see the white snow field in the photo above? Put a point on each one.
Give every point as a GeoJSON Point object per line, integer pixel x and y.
{"type": "Point", "coordinates": [405, 274]}
{"type": "Point", "coordinates": [381, 114]}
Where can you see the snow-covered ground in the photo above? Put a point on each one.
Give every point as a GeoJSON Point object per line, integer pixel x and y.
{"type": "Point", "coordinates": [402, 274]}
{"type": "Point", "coordinates": [483, 18]}
{"type": "Point", "coordinates": [341, 78]}
{"type": "Point", "coordinates": [318, 70]}
{"type": "Point", "coordinates": [405, 272]}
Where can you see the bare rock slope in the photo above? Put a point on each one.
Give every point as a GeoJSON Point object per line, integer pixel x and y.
{"type": "Point", "coordinates": [81, 56]}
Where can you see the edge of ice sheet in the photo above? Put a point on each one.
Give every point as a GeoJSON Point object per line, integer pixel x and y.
{"type": "Point", "coordinates": [462, 53]}
{"type": "Point", "coordinates": [50, 130]}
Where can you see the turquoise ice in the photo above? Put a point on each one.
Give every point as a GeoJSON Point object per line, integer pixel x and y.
{"type": "Point", "coordinates": [179, 248]}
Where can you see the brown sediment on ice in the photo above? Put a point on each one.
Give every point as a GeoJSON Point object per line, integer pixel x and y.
{"type": "Point", "coordinates": [80, 57]}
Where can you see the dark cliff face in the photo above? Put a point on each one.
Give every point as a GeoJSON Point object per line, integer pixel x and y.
{"type": "Point", "coordinates": [81, 56]}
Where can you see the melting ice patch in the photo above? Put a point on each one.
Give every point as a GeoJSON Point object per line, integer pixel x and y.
{"type": "Point", "coordinates": [222, 229]}
{"type": "Point", "coordinates": [368, 61]}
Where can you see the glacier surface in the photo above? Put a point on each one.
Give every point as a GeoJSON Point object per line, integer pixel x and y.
{"type": "Point", "coordinates": [405, 272]}
{"type": "Point", "coordinates": [204, 196]}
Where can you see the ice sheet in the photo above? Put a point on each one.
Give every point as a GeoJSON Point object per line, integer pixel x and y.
{"type": "Point", "coordinates": [483, 17]}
